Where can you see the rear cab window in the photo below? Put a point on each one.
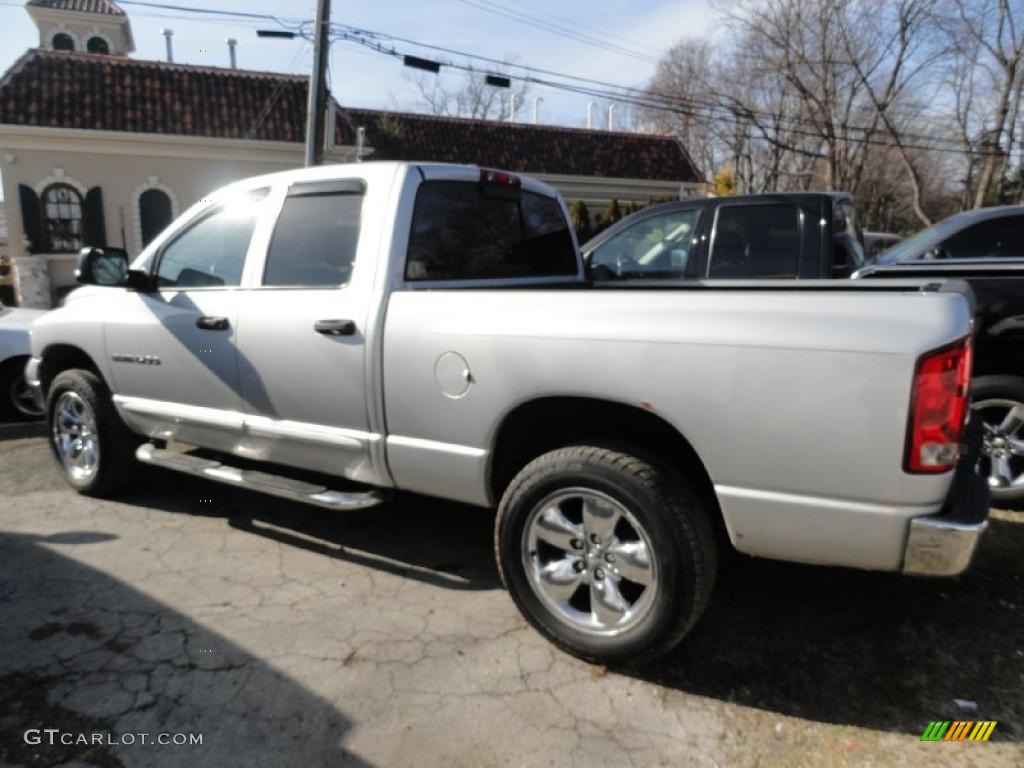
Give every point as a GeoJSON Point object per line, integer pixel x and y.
{"type": "Point", "coordinates": [468, 231]}
{"type": "Point", "coordinates": [759, 240]}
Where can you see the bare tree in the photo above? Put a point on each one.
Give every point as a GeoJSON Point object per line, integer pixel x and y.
{"type": "Point", "coordinates": [987, 38]}
{"type": "Point", "coordinates": [888, 65]}
{"type": "Point", "coordinates": [838, 93]}
{"type": "Point", "coordinates": [685, 77]}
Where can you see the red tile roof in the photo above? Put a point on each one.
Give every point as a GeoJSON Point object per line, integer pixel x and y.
{"type": "Point", "coordinates": [520, 146]}
{"type": "Point", "coordinates": [113, 93]}
{"type": "Point", "coordinates": [85, 6]}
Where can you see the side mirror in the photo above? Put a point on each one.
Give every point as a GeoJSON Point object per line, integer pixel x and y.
{"type": "Point", "coordinates": [102, 266]}
{"type": "Point", "coordinates": [109, 267]}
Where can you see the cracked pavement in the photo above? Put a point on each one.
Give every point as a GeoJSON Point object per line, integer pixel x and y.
{"type": "Point", "coordinates": [288, 635]}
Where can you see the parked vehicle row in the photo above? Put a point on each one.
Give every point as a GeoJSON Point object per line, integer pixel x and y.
{"type": "Point", "coordinates": [332, 334]}
{"type": "Point", "coordinates": [812, 235]}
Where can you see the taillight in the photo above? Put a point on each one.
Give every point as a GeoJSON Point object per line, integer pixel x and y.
{"type": "Point", "coordinates": [938, 408]}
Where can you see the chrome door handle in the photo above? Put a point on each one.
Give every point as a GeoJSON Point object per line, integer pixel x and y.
{"type": "Point", "coordinates": [335, 327]}
{"type": "Point", "coordinates": [208, 323]}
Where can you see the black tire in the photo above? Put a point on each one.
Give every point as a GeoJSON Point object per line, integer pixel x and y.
{"type": "Point", "coordinates": [12, 377]}
{"type": "Point", "coordinates": [116, 462]}
{"type": "Point", "coordinates": [1000, 389]}
{"type": "Point", "coordinates": [676, 522]}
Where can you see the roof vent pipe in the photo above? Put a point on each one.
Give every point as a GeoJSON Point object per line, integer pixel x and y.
{"type": "Point", "coordinates": [590, 115]}
{"type": "Point", "coordinates": [611, 117]}
{"type": "Point", "coordinates": [168, 34]}
{"type": "Point", "coordinates": [537, 100]}
{"type": "Point", "coordinates": [231, 49]}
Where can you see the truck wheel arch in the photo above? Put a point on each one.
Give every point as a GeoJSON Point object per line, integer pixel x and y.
{"type": "Point", "coordinates": [62, 357]}
{"type": "Point", "coordinates": [537, 426]}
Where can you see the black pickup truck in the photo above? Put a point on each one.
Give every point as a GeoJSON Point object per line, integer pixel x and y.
{"type": "Point", "coordinates": [800, 235]}
{"type": "Point", "coordinates": [816, 235]}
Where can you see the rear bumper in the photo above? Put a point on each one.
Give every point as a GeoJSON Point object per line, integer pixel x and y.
{"type": "Point", "coordinates": [944, 543]}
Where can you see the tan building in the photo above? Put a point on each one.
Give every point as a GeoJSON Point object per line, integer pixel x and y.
{"type": "Point", "coordinates": [101, 149]}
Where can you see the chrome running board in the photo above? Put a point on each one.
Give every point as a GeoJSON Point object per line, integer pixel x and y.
{"type": "Point", "coordinates": [261, 482]}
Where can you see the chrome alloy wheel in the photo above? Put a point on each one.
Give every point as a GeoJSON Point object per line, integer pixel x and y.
{"type": "Point", "coordinates": [74, 436]}
{"type": "Point", "coordinates": [1003, 443]}
{"type": "Point", "coordinates": [590, 561]}
{"type": "Point", "coordinates": [22, 398]}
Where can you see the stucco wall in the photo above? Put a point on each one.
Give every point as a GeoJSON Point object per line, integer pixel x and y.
{"type": "Point", "coordinates": [121, 178]}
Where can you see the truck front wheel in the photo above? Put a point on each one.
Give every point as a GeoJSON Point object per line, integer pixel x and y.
{"type": "Point", "coordinates": [608, 553]}
{"type": "Point", "coordinates": [95, 449]}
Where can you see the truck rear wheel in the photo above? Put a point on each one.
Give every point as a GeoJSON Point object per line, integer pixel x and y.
{"type": "Point", "coordinates": [609, 554]}
{"type": "Point", "coordinates": [95, 449]}
{"type": "Point", "coordinates": [999, 402]}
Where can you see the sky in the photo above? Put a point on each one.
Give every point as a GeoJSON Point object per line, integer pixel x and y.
{"type": "Point", "coordinates": [362, 78]}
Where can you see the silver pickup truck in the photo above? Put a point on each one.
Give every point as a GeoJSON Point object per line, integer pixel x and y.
{"type": "Point", "coordinates": [330, 334]}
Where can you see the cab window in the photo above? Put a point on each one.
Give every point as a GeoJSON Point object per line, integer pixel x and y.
{"type": "Point", "coordinates": [848, 241]}
{"type": "Point", "coordinates": [1001, 238]}
{"type": "Point", "coordinates": [756, 241]}
{"type": "Point", "coordinates": [211, 252]}
{"type": "Point", "coordinates": [653, 246]}
{"type": "Point", "coordinates": [461, 232]}
{"type": "Point", "coordinates": [314, 242]}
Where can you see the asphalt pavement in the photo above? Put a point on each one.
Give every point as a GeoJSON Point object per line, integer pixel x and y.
{"type": "Point", "coordinates": [283, 635]}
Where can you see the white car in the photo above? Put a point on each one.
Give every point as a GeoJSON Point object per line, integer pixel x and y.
{"type": "Point", "coordinates": [16, 399]}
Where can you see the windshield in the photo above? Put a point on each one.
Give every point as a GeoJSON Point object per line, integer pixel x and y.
{"type": "Point", "coordinates": [916, 246]}
{"type": "Point", "coordinates": [651, 246]}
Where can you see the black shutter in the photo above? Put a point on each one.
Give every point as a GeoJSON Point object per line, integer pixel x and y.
{"type": "Point", "coordinates": [31, 219]}
{"type": "Point", "coordinates": [94, 229]}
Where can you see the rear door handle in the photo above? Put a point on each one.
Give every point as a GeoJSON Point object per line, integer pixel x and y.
{"type": "Point", "coordinates": [208, 323]}
{"type": "Point", "coordinates": [335, 327]}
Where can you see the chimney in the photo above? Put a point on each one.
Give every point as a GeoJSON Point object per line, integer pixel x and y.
{"type": "Point", "coordinates": [168, 34]}
{"type": "Point", "coordinates": [536, 109]}
{"type": "Point", "coordinates": [590, 115]}
{"type": "Point", "coordinates": [611, 117]}
{"type": "Point", "coordinates": [231, 48]}
{"type": "Point", "coordinates": [360, 143]}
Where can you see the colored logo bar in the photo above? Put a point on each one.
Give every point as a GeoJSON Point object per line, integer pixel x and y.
{"type": "Point", "coordinates": [958, 730]}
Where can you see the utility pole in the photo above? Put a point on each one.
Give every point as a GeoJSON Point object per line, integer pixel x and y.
{"type": "Point", "coordinates": [316, 112]}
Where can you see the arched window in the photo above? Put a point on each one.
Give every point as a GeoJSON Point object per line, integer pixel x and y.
{"type": "Point", "coordinates": [97, 45]}
{"type": "Point", "coordinates": [155, 214]}
{"type": "Point", "coordinates": [62, 218]}
{"type": "Point", "coordinates": [62, 41]}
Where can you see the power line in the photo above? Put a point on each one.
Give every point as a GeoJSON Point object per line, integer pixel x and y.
{"type": "Point", "coordinates": [566, 32]}
{"type": "Point", "coordinates": [725, 110]}
{"type": "Point", "coordinates": [643, 99]}
{"type": "Point", "coordinates": [209, 11]}
{"type": "Point", "coordinates": [698, 109]}
{"type": "Point", "coordinates": [650, 99]}
{"type": "Point", "coordinates": [577, 24]}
